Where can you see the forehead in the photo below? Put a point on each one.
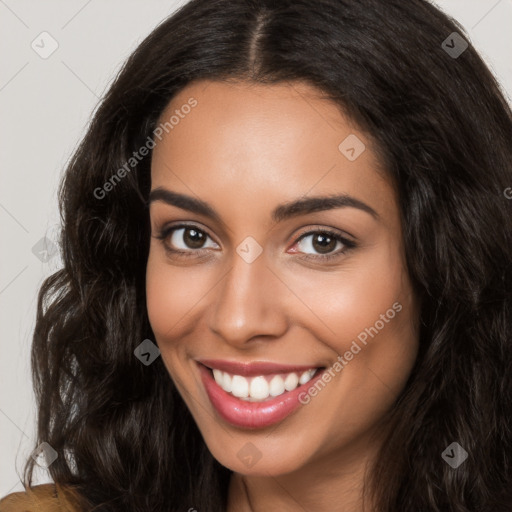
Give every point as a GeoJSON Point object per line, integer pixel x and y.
{"type": "Point", "coordinates": [267, 142]}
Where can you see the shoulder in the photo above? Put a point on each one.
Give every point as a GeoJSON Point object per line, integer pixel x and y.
{"type": "Point", "coordinates": [41, 498]}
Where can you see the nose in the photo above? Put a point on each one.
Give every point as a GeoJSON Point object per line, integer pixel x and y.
{"type": "Point", "coordinates": [249, 304]}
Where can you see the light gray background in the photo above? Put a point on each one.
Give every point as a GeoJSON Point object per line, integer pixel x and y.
{"type": "Point", "coordinates": [45, 106]}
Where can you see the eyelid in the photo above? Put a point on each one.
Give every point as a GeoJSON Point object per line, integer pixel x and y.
{"type": "Point", "coordinates": [165, 231]}
{"type": "Point", "coordinates": [347, 245]}
{"type": "Point", "coordinates": [324, 229]}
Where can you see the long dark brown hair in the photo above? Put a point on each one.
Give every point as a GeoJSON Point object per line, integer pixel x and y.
{"type": "Point", "coordinates": [443, 131]}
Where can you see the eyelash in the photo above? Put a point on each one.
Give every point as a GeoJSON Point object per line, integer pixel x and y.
{"type": "Point", "coordinates": [165, 232]}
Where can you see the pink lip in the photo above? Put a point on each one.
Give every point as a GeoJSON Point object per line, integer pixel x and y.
{"type": "Point", "coordinates": [253, 369]}
{"type": "Point", "coordinates": [253, 415]}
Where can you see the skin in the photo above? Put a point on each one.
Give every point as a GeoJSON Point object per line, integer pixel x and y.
{"type": "Point", "coordinates": [245, 149]}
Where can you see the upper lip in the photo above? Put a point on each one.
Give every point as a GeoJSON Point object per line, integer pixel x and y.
{"type": "Point", "coordinates": [253, 368]}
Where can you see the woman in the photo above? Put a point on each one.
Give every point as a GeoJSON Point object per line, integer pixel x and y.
{"type": "Point", "coordinates": [287, 273]}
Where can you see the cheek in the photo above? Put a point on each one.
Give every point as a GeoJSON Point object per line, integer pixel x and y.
{"type": "Point", "coordinates": [353, 298]}
{"type": "Point", "coordinates": [369, 314]}
{"type": "Point", "coordinates": [172, 292]}
{"type": "Point", "coordinates": [365, 313]}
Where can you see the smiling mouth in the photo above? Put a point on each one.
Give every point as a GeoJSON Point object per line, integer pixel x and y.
{"type": "Point", "coordinates": [256, 395]}
{"type": "Point", "coordinates": [261, 388]}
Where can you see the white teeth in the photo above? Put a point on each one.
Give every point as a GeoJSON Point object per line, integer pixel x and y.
{"type": "Point", "coordinates": [276, 386]}
{"type": "Point", "coordinates": [217, 375]}
{"type": "Point", "coordinates": [226, 382]}
{"type": "Point", "coordinates": [258, 388]}
{"type": "Point", "coordinates": [291, 381]}
{"type": "Point", "coordinates": [239, 386]}
{"type": "Point", "coordinates": [306, 376]}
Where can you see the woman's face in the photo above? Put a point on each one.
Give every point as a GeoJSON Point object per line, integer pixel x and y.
{"type": "Point", "coordinates": [264, 291]}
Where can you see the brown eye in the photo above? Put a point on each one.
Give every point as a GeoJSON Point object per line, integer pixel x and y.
{"type": "Point", "coordinates": [193, 238]}
{"type": "Point", "coordinates": [323, 244]}
{"type": "Point", "coordinates": [185, 239]}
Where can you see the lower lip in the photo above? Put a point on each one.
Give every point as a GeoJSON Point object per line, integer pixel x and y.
{"type": "Point", "coordinates": [253, 415]}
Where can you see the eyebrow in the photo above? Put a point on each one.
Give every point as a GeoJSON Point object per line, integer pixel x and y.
{"type": "Point", "coordinates": [282, 212]}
